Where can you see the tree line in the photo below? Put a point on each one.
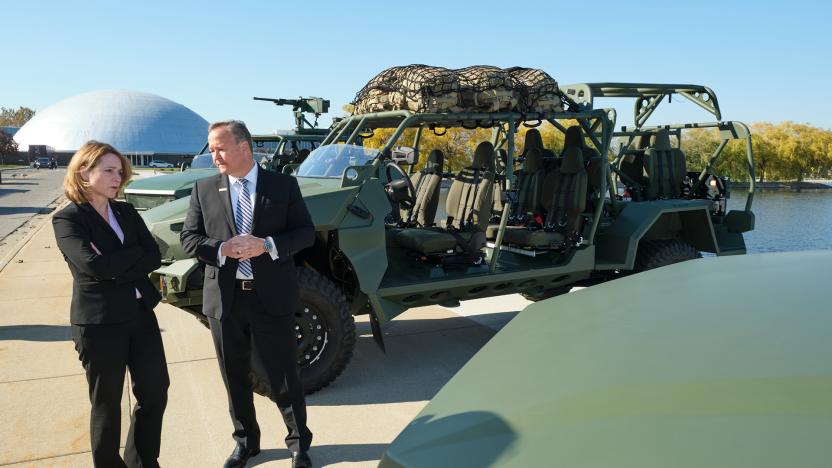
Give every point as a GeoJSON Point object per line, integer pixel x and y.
{"type": "Point", "coordinates": [11, 118]}
{"type": "Point", "coordinates": [787, 151]}
{"type": "Point", "coordinates": [15, 117]}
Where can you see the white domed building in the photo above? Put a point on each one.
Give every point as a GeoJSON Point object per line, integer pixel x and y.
{"type": "Point", "coordinates": [142, 126]}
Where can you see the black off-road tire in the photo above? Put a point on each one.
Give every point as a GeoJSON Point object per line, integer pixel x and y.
{"type": "Point", "coordinates": [546, 294]}
{"type": "Point", "coordinates": [322, 299]}
{"type": "Point", "coordinates": [659, 253]}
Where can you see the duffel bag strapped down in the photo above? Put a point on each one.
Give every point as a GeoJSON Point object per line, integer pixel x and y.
{"type": "Point", "coordinates": [426, 89]}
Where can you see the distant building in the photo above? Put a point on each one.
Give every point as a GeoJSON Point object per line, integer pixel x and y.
{"type": "Point", "coordinates": [142, 126]}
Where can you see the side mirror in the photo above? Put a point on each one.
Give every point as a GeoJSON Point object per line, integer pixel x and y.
{"type": "Point", "coordinates": [404, 154]}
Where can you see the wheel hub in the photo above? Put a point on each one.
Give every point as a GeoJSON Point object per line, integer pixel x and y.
{"type": "Point", "coordinates": [311, 334]}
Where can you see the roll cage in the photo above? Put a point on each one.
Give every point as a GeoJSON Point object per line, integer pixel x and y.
{"type": "Point", "coordinates": [648, 97]}
{"type": "Point", "coordinates": [597, 126]}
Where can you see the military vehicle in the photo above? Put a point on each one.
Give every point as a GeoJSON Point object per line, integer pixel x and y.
{"type": "Point", "coordinates": [271, 151]}
{"type": "Point", "coordinates": [714, 362]}
{"type": "Point", "coordinates": [557, 221]}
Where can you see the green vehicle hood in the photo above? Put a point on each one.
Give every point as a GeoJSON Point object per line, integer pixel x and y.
{"type": "Point", "coordinates": [173, 211]}
{"type": "Point", "coordinates": [325, 199]}
{"type": "Point", "coordinates": [173, 182]}
{"type": "Point", "coordinates": [721, 361]}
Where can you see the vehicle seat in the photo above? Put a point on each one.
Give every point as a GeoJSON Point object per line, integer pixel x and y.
{"type": "Point", "coordinates": [499, 183]}
{"type": "Point", "coordinates": [468, 206]}
{"type": "Point", "coordinates": [529, 189]}
{"type": "Point", "coordinates": [631, 167]}
{"type": "Point", "coordinates": [664, 167]}
{"type": "Point", "coordinates": [535, 141]}
{"type": "Point", "coordinates": [574, 138]}
{"type": "Point", "coordinates": [564, 199]}
{"type": "Point", "coordinates": [426, 182]}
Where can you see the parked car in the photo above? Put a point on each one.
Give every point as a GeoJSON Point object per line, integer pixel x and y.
{"type": "Point", "coordinates": [159, 163]}
{"type": "Point", "coordinates": [42, 162]}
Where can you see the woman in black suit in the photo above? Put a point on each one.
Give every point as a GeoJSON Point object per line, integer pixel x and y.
{"type": "Point", "coordinates": [110, 253]}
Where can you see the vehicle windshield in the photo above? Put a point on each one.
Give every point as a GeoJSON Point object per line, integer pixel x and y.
{"type": "Point", "coordinates": [330, 161]}
{"type": "Point", "coordinates": [293, 147]}
{"type": "Point", "coordinates": [202, 161]}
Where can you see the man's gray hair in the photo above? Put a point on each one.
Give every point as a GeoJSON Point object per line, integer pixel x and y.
{"type": "Point", "coordinates": [237, 128]}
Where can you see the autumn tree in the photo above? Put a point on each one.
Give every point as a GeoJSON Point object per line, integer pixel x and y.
{"type": "Point", "coordinates": [786, 151]}
{"type": "Point", "coordinates": [8, 147]}
{"type": "Point", "coordinates": [15, 117]}
{"type": "Point", "coordinates": [782, 152]}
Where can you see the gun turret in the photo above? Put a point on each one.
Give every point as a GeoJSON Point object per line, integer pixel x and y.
{"type": "Point", "coordinates": [310, 105]}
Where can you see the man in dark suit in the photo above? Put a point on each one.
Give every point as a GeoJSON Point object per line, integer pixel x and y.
{"type": "Point", "coordinates": [245, 225]}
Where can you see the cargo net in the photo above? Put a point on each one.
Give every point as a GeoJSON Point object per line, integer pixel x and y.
{"type": "Point", "coordinates": [426, 89]}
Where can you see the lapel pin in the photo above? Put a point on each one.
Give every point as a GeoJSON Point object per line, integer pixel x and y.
{"type": "Point", "coordinates": [222, 189]}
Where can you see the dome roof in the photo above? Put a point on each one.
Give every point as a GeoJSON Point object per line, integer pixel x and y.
{"type": "Point", "coordinates": [131, 121]}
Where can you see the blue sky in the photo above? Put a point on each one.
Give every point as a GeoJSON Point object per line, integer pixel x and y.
{"type": "Point", "coordinates": [766, 63]}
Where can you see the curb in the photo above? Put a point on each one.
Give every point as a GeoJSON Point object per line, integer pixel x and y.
{"type": "Point", "coordinates": [6, 259]}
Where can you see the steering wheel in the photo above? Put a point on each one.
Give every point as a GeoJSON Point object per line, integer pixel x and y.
{"type": "Point", "coordinates": [393, 187]}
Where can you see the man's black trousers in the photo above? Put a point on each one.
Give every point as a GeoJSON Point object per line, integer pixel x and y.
{"type": "Point", "coordinates": [276, 344]}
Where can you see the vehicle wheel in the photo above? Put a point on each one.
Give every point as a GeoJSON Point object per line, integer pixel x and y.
{"type": "Point", "coordinates": [546, 293]}
{"type": "Point", "coordinates": [327, 335]}
{"type": "Point", "coordinates": [659, 253]}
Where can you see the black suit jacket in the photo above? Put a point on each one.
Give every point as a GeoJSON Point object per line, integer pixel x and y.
{"type": "Point", "coordinates": [279, 212]}
{"type": "Point", "coordinates": [104, 286]}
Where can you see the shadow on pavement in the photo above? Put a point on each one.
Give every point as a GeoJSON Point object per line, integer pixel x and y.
{"type": "Point", "coordinates": [18, 182]}
{"type": "Point", "coordinates": [5, 191]}
{"type": "Point", "coordinates": [324, 455]}
{"type": "Point", "coordinates": [422, 355]}
{"type": "Point", "coordinates": [474, 438]}
{"type": "Point", "coordinates": [6, 210]}
{"type": "Point", "coordinates": [35, 332]}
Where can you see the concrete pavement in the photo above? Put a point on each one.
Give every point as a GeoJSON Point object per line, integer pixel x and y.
{"type": "Point", "coordinates": [27, 196]}
{"type": "Point", "coordinates": [43, 392]}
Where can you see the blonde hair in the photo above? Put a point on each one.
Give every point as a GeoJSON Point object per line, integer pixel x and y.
{"type": "Point", "coordinates": [87, 157]}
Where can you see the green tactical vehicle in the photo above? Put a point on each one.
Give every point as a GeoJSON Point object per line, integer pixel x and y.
{"type": "Point", "coordinates": [735, 376]}
{"type": "Point", "coordinates": [555, 221]}
{"type": "Point", "coordinates": [270, 151]}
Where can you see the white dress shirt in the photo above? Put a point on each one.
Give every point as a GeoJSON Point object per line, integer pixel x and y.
{"type": "Point", "coordinates": [234, 192]}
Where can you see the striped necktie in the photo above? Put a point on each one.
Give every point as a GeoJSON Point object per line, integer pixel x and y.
{"type": "Point", "coordinates": [245, 214]}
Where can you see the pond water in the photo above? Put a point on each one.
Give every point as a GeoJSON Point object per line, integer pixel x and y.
{"type": "Point", "coordinates": [784, 220]}
{"type": "Point", "coordinates": [788, 220]}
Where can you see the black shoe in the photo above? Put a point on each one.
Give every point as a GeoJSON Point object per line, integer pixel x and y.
{"type": "Point", "coordinates": [301, 460]}
{"type": "Point", "coordinates": [240, 456]}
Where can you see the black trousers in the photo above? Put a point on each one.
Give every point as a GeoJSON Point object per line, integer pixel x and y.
{"type": "Point", "coordinates": [105, 351]}
{"type": "Point", "coordinates": [274, 338]}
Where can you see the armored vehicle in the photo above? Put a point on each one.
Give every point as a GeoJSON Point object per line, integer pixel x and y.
{"type": "Point", "coordinates": [679, 367]}
{"type": "Point", "coordinates": [271, 151]}
{"type": "Point", "coordinates": [535, 223]}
